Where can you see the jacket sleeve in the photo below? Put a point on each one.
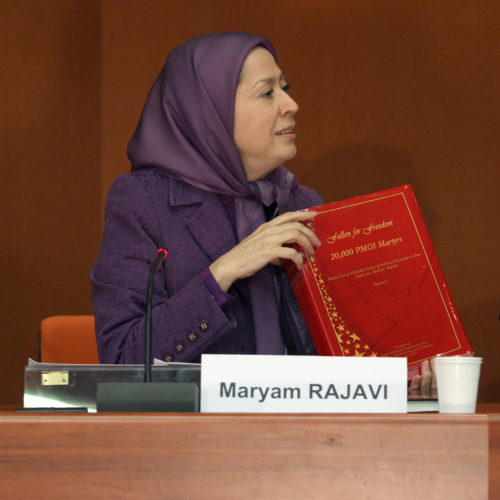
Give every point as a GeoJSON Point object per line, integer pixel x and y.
{"type": "Point", "coordinates": [185, 323]}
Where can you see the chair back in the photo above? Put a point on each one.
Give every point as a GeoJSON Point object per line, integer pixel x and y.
{"type": "Point", "coordinates": [68, 339]}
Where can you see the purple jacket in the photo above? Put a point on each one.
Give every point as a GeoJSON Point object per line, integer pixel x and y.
{"type": "Point", "coordinates": [146, 210]}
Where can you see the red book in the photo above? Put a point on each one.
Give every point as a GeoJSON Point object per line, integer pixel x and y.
{"type": "Point", "coordinates": [375, 286]}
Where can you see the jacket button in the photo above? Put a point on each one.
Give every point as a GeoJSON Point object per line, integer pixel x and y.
{"type": "Point", "coordinates": [179, 347]}
{"type": "Point", "coordinates": [168, 358]}
{"type": "Point", "coordinates": [192, 337]}
{"type": "Point", "coordinates": [203, 326]}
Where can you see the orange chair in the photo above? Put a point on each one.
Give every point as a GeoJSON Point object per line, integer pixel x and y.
{"type": "Point", "coordinates": [68, 339]}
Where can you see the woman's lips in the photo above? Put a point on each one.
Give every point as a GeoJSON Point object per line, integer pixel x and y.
{"type": "Point", "coordinates": [289, 131]}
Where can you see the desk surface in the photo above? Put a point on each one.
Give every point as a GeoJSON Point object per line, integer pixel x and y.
{"type": "Point", "coordinates": [251, 456]}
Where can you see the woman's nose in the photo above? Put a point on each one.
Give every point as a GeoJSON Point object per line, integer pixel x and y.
{"type": "Point", "coordinates": [288, 106]}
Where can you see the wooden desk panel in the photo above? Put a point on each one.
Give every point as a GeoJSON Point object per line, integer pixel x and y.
{"type": "Point", "coordinates": [244, 456]}
{"type": "Point", "coordinates": [494, 457]}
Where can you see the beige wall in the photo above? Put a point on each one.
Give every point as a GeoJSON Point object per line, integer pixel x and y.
{"type": "Point", "coordinates": [390, 92]}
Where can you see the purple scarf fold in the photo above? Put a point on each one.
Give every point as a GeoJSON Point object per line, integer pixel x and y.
{"type": "Point", "coordinates": [186, 128]}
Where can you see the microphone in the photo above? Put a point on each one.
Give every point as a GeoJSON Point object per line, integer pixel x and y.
{"type": "Point", "coordinates": [148, 395]}
{"type": "Point", "coordinates": [160, 257]}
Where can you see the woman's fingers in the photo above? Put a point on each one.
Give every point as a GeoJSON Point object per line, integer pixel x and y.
{"type": "Point", "coordinates": [433, 385]}
{"type": "Point", "coordinates": [287, 218]}
{"type": "Point", "coordinates": [270, 243]}
{"type": "Point", "coordinates": [300, 215]}
{"type": "Point", "coordinates": [288, 253]}
{"type": "Point", "coordinates": [289, 234]}
{"type": "Point", "coordinates": [414, 388]}
{"type": "Point", "coordinates": [282, 227]}
{"type": "Point", "coordinates": [425, 385]}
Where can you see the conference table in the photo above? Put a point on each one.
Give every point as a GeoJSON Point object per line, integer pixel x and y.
{"type": "Point", "coordinates": [194, 455]}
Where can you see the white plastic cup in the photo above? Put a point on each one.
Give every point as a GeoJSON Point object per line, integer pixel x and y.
{"type": "Point", "coordinates": [457, 383]}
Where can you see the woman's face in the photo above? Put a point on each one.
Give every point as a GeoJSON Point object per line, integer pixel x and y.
{"type": "Point", "coordinates": [263, 116]}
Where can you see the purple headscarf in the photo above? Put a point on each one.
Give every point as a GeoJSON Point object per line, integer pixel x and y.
{"type": "Point", "coordinates": [186, 128]}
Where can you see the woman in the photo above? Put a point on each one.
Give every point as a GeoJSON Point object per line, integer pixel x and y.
{"type": "Point", "coordinates": [206, 176]}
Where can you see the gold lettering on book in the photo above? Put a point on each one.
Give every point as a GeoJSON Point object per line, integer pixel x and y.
{"type": "Point", "coordinates": [368, 247]}
{"type": "Point", "coordinates": [340, 235]}
{"type": "Point", "coordinates": [407, 349]}
{"type": "Point", "coordinates": [375, 227]}
{"type": "Point", "coordinates": [375, 269]}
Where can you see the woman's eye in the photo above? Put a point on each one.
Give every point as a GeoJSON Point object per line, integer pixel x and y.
{"type": "Point", "coordinates": [270, 93]}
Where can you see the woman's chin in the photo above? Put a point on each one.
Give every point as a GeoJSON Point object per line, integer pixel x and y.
{"type": "Point", "coordinates": [260, 172]}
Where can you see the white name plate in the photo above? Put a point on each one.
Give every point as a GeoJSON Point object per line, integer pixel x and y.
{"type": "Point", "coordinates": [302, 384]}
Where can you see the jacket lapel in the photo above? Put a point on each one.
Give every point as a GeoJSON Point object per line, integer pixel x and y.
{"type": "Point", "coordinates": [209, 223]}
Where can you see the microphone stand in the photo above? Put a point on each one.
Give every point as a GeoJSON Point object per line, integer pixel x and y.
{"type": "Point", "coordinates": [161, 256]}
{"type": "Point", "coordinates": [148, 395]}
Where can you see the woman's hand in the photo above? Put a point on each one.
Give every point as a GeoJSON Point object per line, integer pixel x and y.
{"type": "Point", "coordinates": [269, 243]}
{"type": "Point", "coordinates": [424, 384]}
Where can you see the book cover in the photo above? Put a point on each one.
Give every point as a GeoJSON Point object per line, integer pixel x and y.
{"type": "Point", "coordinates": [375, 286]}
